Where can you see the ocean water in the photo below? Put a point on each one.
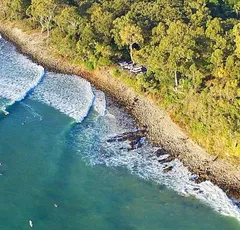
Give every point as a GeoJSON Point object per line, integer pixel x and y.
{"type": "Point", "coordinates": [59, 171]}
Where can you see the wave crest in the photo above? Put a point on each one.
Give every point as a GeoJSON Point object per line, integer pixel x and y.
{"type": "Point", "coordinates": [145, 163]}
{"type": "Point", "coordinates": [69, 94]}
{"type": "Point", "coordinates": [18, 75]}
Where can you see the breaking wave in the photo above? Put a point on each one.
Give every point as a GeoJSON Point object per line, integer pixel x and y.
{"type": "Point", "coordinates": [69, 94]}
{"type": "Point", "coordinates": [75, 97]}
{"type": "Point", "coordinates": [18, 75]}
{"type": "Point", "coordinates": [99, 104]}
{"type": "Point", "coordinates": [145, 163]}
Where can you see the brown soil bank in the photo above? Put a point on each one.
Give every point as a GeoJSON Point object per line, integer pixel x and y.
{"type": "Point", "coordinates": [161, 130]}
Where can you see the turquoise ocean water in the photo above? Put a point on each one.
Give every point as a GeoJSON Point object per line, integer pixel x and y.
{"type": "Point", "coordinates": [59, 171]}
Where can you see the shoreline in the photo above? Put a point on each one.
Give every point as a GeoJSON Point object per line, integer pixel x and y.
{"type": "Point", "coordinates": [162, 131]}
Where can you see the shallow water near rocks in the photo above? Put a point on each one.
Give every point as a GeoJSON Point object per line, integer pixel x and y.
{"type": "Point", "coordinates": [65, 175]}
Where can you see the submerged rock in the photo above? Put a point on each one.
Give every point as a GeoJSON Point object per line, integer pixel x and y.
{"type": "Point", "coordinates": [166, 160]}
{"type": "Point", "coordinates": [136, 138]}
{"type": "Point", "coordinates": [160, 152]}
{"type": "Point", "coordinates": [168, 169]}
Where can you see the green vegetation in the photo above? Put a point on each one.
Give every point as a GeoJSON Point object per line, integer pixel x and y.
{"type": "Point", "coordinates": [191, 49]}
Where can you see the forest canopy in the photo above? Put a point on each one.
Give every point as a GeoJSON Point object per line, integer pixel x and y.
{"type": "Point", "coordinates": [191, 49]}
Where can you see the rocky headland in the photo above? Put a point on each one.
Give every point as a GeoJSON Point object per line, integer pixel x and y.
{"type": "Point", "coordinates": [160, 129]}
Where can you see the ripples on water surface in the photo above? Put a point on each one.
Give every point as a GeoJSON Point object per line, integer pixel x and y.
{"type": "Point", "coordinates": [54, 151]}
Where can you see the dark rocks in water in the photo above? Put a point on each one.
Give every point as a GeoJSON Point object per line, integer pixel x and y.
{"type": "Point", "coordinates": [168, 169]}
{"type": "Point", "coordinates": [166, 160]}
{"type": "Point", "coordinates": [135, 144]}
{"type": "Point", "coordinates": [160, 152]}
{"type": "Point", "coordinates": [128, 136]}
{"type": "Point", "coordinates": [236, 202]}
{"type": "Point", "coordinates": [136, 138]}
{"type": "Point", "coordinates": [193, 178]}
{"type": "Point", "coordinates": [198, 190]}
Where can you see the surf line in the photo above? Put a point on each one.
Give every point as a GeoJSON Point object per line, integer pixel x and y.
{"type": "Point", "coordinates": [22, 97]}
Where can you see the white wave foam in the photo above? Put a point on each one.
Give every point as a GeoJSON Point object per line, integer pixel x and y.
{"type": "Point", "coordinates": [18, 74]}
{"type": "Point", "coordinates": [144, 163]}
{"type": "Point", "coordinates": [70, 95]}
{"type": "Point", "coordinates": [99, 104]}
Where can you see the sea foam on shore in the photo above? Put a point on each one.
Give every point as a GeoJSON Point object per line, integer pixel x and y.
{"type": "Point", "coordinates": [18, 75]}
{"type": "Point", "coordinates": [144, 163]}
{"type": "Point", "coordinates": [133, 161]}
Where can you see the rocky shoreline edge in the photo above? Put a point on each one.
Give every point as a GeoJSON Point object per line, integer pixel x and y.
{"type": "Point", "coordinates": [161, 130]}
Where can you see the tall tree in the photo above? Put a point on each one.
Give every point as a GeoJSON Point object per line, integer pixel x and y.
{"type": "Point", "coordinates": [43, 11]}
{"type": "Point", "coordinates": [69, 20]}
{"type": "Point", "coordinates": [131, 34]}
{"type": "Point", "coordinates": [237, 8]}
{"type": "Point", "coordinates": [14, 9]}
{"type": "Point", "coordinates": [102, 21]}
{"type": "Point", "coordinates": [236, 31]}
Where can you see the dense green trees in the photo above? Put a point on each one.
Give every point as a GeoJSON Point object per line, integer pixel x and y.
{"type": "Point", "coordinates": [43, 11]}
{"type": "Point", "coordinates": [13, 10]}
{"type": "Point", "coordinates": [191, 49]}
{"type": "Point", "coordinates": [130, 34]}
